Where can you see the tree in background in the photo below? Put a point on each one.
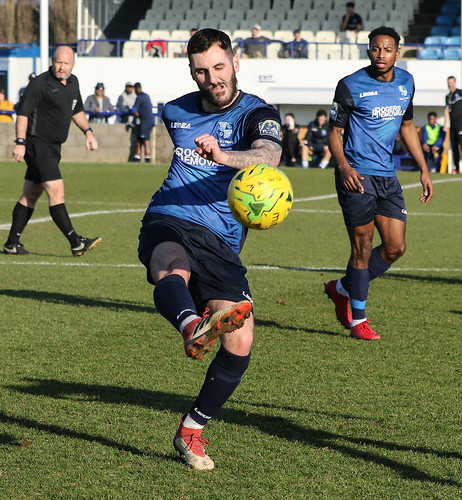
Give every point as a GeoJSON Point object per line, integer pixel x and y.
{"type": "Point", "coordinates": [21, 21]}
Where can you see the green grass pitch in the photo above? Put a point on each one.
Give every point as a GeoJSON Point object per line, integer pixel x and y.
{"type": "Point", "coordinates": [93, 381]}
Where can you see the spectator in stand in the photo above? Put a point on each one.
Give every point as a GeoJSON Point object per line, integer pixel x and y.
{"type": "Point", "coordinates": [351, 21]}
{"type": "Point", "coordinates": [315, 143]}
{"type": "Point", "coordinates": [5, 105]}
{"type": "Point", "coordinates": [290, 142]}
{"type": "Point", "coordinates": [297, 49]}
{"type": "Point", "coordinates": [126, 102]}
{"type": "Point", "coordinates": [432, 142]}
{"type": "Point", "coordinates": [22, 90]}
{"type": "Point", "coordinates": [98, 103]}
{"type": "Point", "coordinates": [184, 50]}
{"type": "Point", "coordinates": [144, 120]}
{"type": "Point", "coordinates": [452, 120]}
{"type": "Point", "coordinates": [255, 46]}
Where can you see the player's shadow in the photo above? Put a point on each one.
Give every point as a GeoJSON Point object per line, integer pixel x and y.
{"type": "Point", "coordinates": [77, 300]}
{"type": "Point", "coordinates": [288, 328]}
{"type": "Point", "coordinates": [421, 278]}
{"type": "Point", "coordinates": [276, 426]}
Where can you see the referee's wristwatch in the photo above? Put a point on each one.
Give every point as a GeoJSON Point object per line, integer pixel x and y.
{"type": "Point", "coordinates": [89, 129]}
{"type": "Point", "coordinates": [20, 141]}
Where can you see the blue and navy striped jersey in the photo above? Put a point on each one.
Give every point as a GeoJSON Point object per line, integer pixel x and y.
{"type": "Point", "coordinates": [195, 188]}
{"type": "Point", "coordinates": [371, 112]}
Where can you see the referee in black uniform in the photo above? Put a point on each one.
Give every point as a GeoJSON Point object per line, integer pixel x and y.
{"type": "Point", "coordinates": [49, 103]}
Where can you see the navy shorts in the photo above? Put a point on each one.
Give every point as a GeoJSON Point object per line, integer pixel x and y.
{"type": "Point", "coordinates": [42, 160]}
{"type": "Point", "coordinates": [216, 271]}
{"type": "Point", "coordinates": [382, 196]}
{"type": "Point", "coordinates": [144, 131]}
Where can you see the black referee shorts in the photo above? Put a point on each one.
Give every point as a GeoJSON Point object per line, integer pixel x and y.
{"type": "Point", "coordinates": [382, 196]}
{"type": "Point", "coordinates": [42, 160]}
{"type": "Point", "coordinates": [216, 271]}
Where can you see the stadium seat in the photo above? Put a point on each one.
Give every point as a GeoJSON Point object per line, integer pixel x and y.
{"type": "Point", "coordinates": [455, 31]}
{"type": "Point", "coordinates": [326, 36]}
{"type": "Point", "coordinates": [445, 20]}
{"type": "Point", "coordinates": [434, 40]}
{"type": "Point", "coordinates": [430, 53]}
{"type": "Point", "coordinates": [452, 9]}
{"type": "Point", "coordinates": [453, 40]}
{"type": "Point", "coordinates": [140, 35]}
{"type": "Point", "coordinates": [452, 53]}
{"type": "Point", "coordinates": [440, 31]}
{"type": "Point", "coordinates": [132, 49]}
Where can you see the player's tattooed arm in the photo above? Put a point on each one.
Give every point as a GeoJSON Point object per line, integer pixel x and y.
{"type": "Point", "coordinates": [262, 151]}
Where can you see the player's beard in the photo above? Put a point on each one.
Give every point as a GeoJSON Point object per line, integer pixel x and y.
{"type": "Point", "coordinates": [225, 98]}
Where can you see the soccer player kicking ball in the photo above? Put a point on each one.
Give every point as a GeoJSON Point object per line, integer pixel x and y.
{"type": "Point", "coordinates": [189, 240]}
{"type": "Point", "coordinates": [370, 107]}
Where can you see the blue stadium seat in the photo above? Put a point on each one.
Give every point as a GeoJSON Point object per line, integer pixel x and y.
{"type": "Point", "coordinates": [445, 20]}
{"type": "Point", "coordinates": [450, 8]}
{"type": "Point", "coordinates": [452, 53]}
{"type": "Point", "coordinates": [455, 31]}
{"type": "Point", "coordinates": [453, 40]}
{"type": "Point", "coordinates": [440, 31]}
{"type": "Point", "coordinates": [434, 40]}
{"type": "Point", "coordinates": [431, 53]}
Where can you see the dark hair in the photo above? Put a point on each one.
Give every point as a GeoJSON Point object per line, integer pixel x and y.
{"type": "Point", "coordinates": [453, 77]}
{"type": "Point", "coordinates": [432, 113]}
{"type": "Point", "coordinates": [203, 39]}
{"type": "Point", "coordinates": [386, 31]}
{"type": "Point", "coordinates": [321, 112]}
{"type": "Point", "coordinates": [350, 4]}
{"type": "Point", "coordinates": [290, 114]}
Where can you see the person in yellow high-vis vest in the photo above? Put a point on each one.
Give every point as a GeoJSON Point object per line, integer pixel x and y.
{"type": "Point", "coordinates": [432, 142]}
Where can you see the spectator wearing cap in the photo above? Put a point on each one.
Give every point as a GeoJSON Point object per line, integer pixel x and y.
{"type": "Point", "coordinates": [255, 46]}
{"type": "Point", "coordinates": [125, 103]}
{"type": "Point", "coordinates": [98, 103]}
{"type": "Point", "coordinates": [145, 123]}
{"type": "Point", "coordinates": [23, 89]}
{"type": "Point", "coordinates": [5, 105]}
{"type": "Point", "coordinates": [298, 48]}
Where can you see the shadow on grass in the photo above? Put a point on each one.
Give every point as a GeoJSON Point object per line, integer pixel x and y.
{"type": "Point", "coordinates": [271, 425]}
{"type": "Point", "coordinates": [288, 328]}
{"type": "Point", "coordinates": [76, 300]}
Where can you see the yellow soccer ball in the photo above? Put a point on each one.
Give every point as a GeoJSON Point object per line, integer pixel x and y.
{"type": "Point", "coordinates": [260, 196]}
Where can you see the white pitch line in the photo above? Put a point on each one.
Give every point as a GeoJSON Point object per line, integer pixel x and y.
{"type": "Point", "coordinates": [256, 267]}
{"type": "Point", "coordinates": [6, 227]}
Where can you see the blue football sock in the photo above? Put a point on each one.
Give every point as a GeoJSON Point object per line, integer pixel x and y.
{"type": "Point", "coordinates": [223, 376]}
{"type": "Point", "coordinates": [173, 300]}
{"type": "Point", "coordinates": [358, 280]}
{"type": "Point", "coordinates": [377, 266]}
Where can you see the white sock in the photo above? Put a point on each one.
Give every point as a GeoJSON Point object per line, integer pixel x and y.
{"type": "Point", "coordinates": [305, 163]}
{"type": "Point", "coordinates": [323, 164]}
{"type": "Point", "coordinates": [189, 423]}
{"type": "Point", "coordinates": [357, 322]}
{"type": "Point", "coordinates": [186, 322]}
{"type": "Point", "coordinates": [340, 289]}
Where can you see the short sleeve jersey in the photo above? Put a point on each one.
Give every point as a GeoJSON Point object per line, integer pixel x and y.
{"type": "Point", "coordinates": [371, 112]}
{"type": "Point", "coordinates": [144, 107]}
{"type": "Point", "coordinates": [50, 105]}
{"type": "Point", "coordinates": [195, 188]}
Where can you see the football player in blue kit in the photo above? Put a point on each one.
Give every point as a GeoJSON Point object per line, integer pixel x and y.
{"type": "Point", "coordinates": [189, 240]}
{"type": "Point", "coordinates": [369, 108]}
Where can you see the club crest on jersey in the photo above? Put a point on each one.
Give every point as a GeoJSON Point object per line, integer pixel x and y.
{"type": "Point", "coordinates": [271, 128]}
{"type": "Point", "coordinates": [225, 130]}
{"type": "Point", "coordinates": [333, 111]}
{"type": "Point", "coordinates": [403, 90]}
